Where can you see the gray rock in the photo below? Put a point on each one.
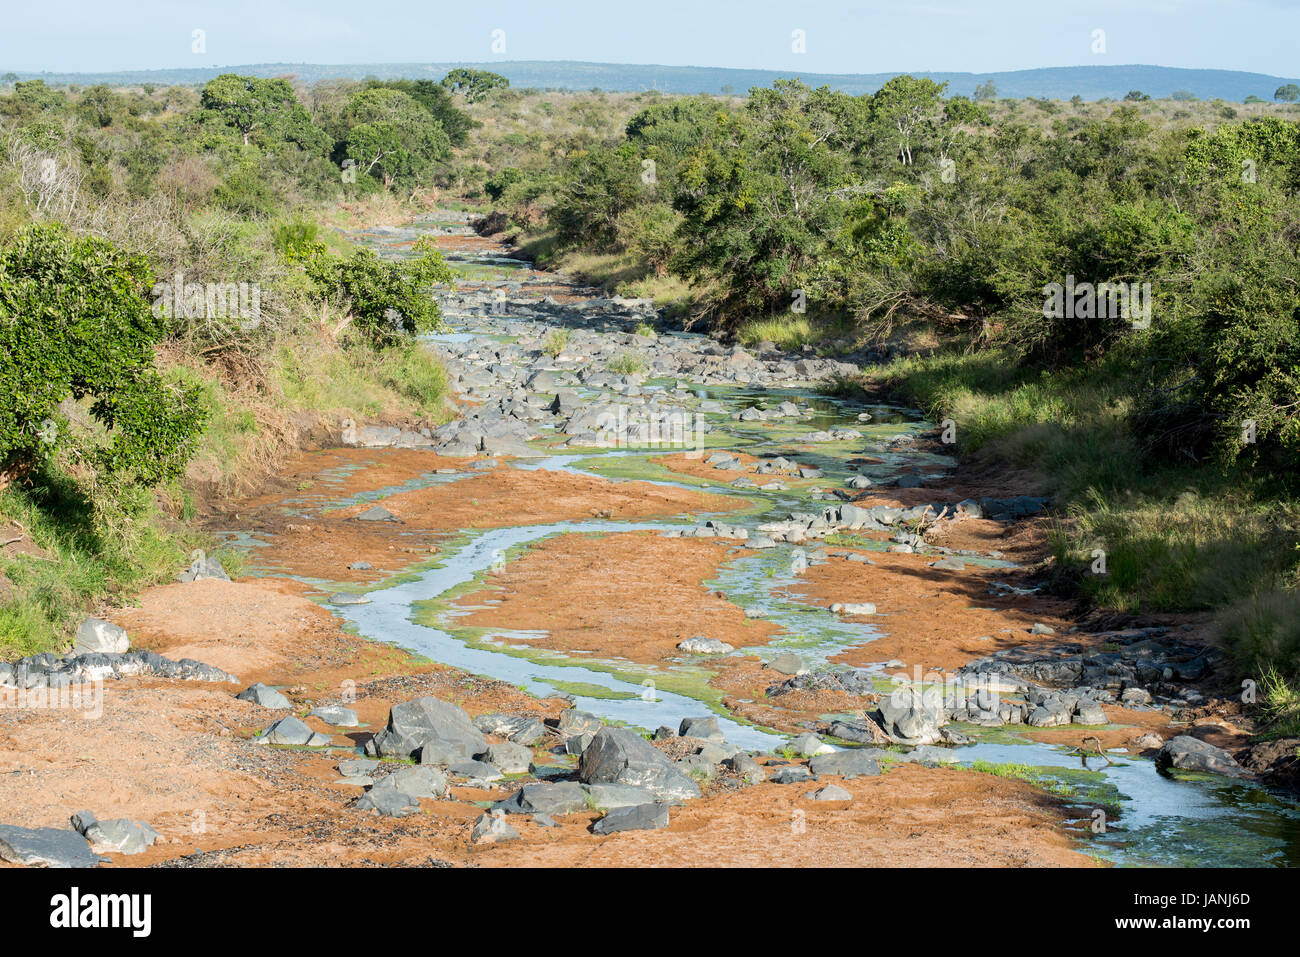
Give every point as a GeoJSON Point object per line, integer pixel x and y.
{"type": "Point", "coordinates": [387, 802]}
{"type": "Point", "coordinates": [97, 635]}
{"type": "Point", "coordinates": [787, 663]}
{"type": "Point", "coordinates": [700, 645]}
{"type": "Point", "coordinates": [911, 716]}
{"type": "Point", "coordinates": [865, 731]}
{"type": "Point", "coordinates": [265, 697]}
{"type": "Point", "coordinates": [832, 792]}
{"type": "Point", "coordinates": [562, 797]}
{"type": "Point", "coordinates": [850, 763]}
{"type": "Point", "coordinates": [1185, 753]}
{"type": "Point", "coordinates": [573, 721]}
{"type": "Point", "coordinates": [511, 758]}
{"type": "Point", "coordinates": [377, 513]}
{"type": "Point", "coordinates": [791, 774]}
{"type": "Point", "coordinates": [420, 781]}
{"type": "Point", "coordinates": [292, 731]}
{"type": "Point", "coordinates": [344, 598]}
{"type": "Point", "coordinates": [477, 772]}
{"type": "Point", "coordinates": [621, 756]}
{"type": "Point", "coordinates": [337, 715]}
{"type": "Point", "coordinates": [122, 835]}
{"type": "Point", "coordinates": [639, 817]}
{"type": "Point", "coordinates": [1089, 712]}
{"type": "Point", "coordinates": [606, 797]}
{"type": "Point", "coordinates": [45, 847]}
{"type": "Point", "coordinates": [414, 724]}
{"type": "Point", "coordinates": [808, 745]}
{"type": "Point", "coordinates": [492, 829]}
{"type": "Point", "coordinates": [706, 727]}
{"type": "Point", "coordinates": [519, 728]}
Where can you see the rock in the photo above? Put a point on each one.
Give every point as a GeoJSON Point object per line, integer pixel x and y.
{"type": "Point", "coordinates": [621, 756]}
{"type": "Point", "coordinates": [573, 721]}
{"type": "Point", "coordinates": [357, 768]}
{"type": "Point", "coordinates": [563, 797]}
{"type": "Point", "coordinates": [911, 716]}
{"type": "Point", "coordinates": [578, 743]}
{"type": "Point", "coordinates": [292, 731]}
{"type": "Point", "coordinates": [607, 797]}
{"type": "Point", "coordinates": [792, 774]}
{"type": "Point", "coordinates": [1185, 753]}
{"type": "Point", "coordinates": [427, 721]}
{"type": "Point", "coordinates": [492, 828]}
{"type": "Point", "coordinates": [122, 835]}
{"type": "Point", "coordinates": [638, 817]}
{"type": "Point", "coordinates": [344, 598]}
{"type": "Point", "coordinates": [865, 731]}
{"type": "Point", "coordinates": [519, 728]}
{"type": "Point", "coordinates": [746, 767]}
{"type": "Point", "coordinates": [851, 763]}
{"type": "Point", "coordinates": [204, 568]}
{"type": "Point", "coordinates": [1089, 712]}
{"type": "Point", "coordinates": [706, 728]}
{"type": "Point", "coordinates": [477, 772]}
{"type": "Point", "coordinates": [787, 663]}
{"type": "Point", "coordinates": [45, 847]}
{"type": "Point", "coordinates": [832, 792]}
{"type": "Point", "coordinates": [696, 767]}
{"type": "Point", "coordinates": [949, 565]}
{"type": "Point", "coordinates": [850, 608]}
{"type": "Point", "coordinates": [337, 715]}
{"type": "Point", "coordinates": [1135, 698]}
{"type": "Point", "coordinates": [1147, 741]}
{"type": "Point", "coordinates": [511, 758]}
{"type": "Point", "coordinates": [704, 646]}
{"type": "Point", "coordinates": [387, 802]}
{"type": "Point", "coordinates": [377, 513]}
{"type": "Point", "coordinates": [96, 635]}
{"type": "Point", "coordinates": [1038, 628]}
{"type": "Point", "coordinates": [265, 697]}
{"type": "Point", "coordinates": [418, 782]}
{"type": "Point", "coordinates": [808, 745]}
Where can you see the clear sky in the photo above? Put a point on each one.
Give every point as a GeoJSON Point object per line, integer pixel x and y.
{"type": "Point", "coordinates": [841, 36]}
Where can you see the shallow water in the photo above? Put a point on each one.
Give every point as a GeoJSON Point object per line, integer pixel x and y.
{"type": "Point", "coordinates": [1160, 821]}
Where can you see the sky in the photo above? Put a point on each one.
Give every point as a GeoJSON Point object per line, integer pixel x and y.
{"type": "Point", "coordinates": [837, 37]}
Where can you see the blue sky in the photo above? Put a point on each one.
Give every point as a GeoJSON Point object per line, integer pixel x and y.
{"type": "Point", "coordinates": [841, 37]}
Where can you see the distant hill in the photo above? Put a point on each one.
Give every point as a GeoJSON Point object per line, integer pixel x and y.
{"type": "Point", "coordinates": [1090, 82]}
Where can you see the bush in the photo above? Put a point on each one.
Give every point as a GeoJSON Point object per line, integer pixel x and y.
{"type": "Point", "coordinates": [75, 324]}
{"type": "Point", "coordinates": [387, 300]}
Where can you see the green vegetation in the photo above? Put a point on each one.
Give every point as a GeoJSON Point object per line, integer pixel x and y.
{"type": "Point", "coordinates": [1099, 294]}
{"type": "Point", "coordinates": [171, 311]}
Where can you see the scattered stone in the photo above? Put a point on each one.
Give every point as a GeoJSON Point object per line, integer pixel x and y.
{"type": "Point", "coordinates": [293, 732]}
{"type": "Point", "coordinates": [621, 756]}
{"type": "Point", "coordinates": [427, 721]}
{"type": "Point", "coordinates": [336, 715]}
{"type": "Point", "coordinates": [492, 828]}
{"type": "Point", "coordinates": [788, 663]}
{"type": "Point", "coordinates": [832, 792]}
{"type": "Point", "coordinates": [850, 763]}
{"type": "Point", "coordinates": [563, 797]}
{"type": "Point", "coordinates": [377, 513]}
{"type": "Point", "coordinates": [637, 817]}
{"type": "Point", "coordinates": [704, 646]}
{"type": "Point", "coordinates": [45, 847]}
{"type": "Point", "coordinates": [265, 697]}
{"type": "Point", "coordinates": [511, 758]}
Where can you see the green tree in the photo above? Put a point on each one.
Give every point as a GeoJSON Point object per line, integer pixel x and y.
{"type": "Point", "coordinates": [905, 105]}
{"type": "Point", "coordinates": [474, 84]}
{"type": "Point", "coordinates": [265, 110]}
{"type": "Point", "coordinates": [1287, 93]}
{"type": "Point", "coordinates": [75, 324]}
{"type": "Point", "coordinates": [392, 137]}
{"type": "Point", "coordinates": [988, 90]}
{"type": "Point", "coordinates": [455, 122]}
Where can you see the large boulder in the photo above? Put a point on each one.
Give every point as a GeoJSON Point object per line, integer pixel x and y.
{"type": "Point", "coordinates": [265, 697]}
{"type": "Point", "coordinates": [45, 847]}
{"type": "Point", "coordinates": [911, 716]}
{"type": "Point", "coordinates": [427, 721]}
{"type": "Point", "coordinates": [621, 756]}
{"type": "Point", "coordinates": [847, 764]}
{"type": "Point", "coordinates": [636, 817]}
{"type": "Point", "coordinates": [1185, 753]}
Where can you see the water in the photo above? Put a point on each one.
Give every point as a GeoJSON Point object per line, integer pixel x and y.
{"type": "Point", "coordinates": [1151, 819]}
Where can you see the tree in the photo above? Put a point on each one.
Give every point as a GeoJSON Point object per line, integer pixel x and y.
{"type": "Point", "coordinates": [904, 104]}
{"type": "Point", "coordinates": [1182, 96]}
{"type": "Point", "coordinates": [75, 323]}
{"type": "Point", "coordinates": [456, 123]}
{"type": "Point", "coordinates": [263, 109]}
{"type": "Point", "coordinates": [1136, 96]}
{"type": "Point", "coordinates": [988, 90]}
{"type": "Point", "coordinates": [474, 84]}
{"type": "Point", "coordinates": [392, 137]}
{"type": "Point", "coordinates": [1288, 93]}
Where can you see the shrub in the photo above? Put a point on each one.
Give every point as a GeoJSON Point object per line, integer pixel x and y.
{"type": "Point", "coordinates": [74, 324]}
